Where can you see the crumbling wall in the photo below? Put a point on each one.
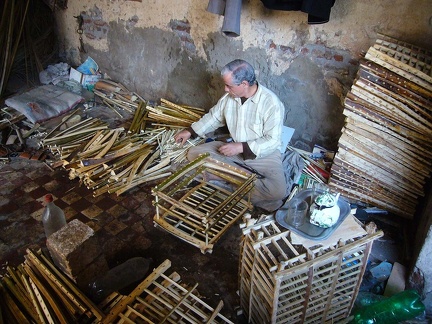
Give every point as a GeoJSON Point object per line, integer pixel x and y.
{"type": "Point", "coordinates": [175, 49]}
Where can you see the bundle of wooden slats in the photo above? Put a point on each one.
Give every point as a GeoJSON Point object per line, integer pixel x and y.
{"type": "Point", "coordinates": [114, 160]}
{"type": "Point", "coordinates": [384, 155]}
{"type": "Point", "coordinates": [117, 97]}
{"type": "Point", "coordinates": [173, 115]}
{"type": "Point", "coordinates": [38, 292]}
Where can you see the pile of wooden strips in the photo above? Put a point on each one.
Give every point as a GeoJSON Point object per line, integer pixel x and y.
{"type": "Point", "coordinates": [385, 151]}
{"type": "Point", "coordinates": [38, 292]}
{"type": "Point", "coordinates": [168, 114]}
{"type": "Point", "coordinates": [117, 97]}
{"type": "Point", "coordinates": [114, 160]}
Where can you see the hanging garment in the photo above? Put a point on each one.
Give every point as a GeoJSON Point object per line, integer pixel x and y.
{"type": "Point", "coordinates": [231, 10]}
{"type": "Point", "coordinates": [318, 10]}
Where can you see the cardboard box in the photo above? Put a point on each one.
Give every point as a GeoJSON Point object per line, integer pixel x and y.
{"type": "Point", "coordinates": [85, 79]}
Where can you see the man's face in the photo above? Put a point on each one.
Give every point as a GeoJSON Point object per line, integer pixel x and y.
{"type": "Point", "coordinates": [235, 91]}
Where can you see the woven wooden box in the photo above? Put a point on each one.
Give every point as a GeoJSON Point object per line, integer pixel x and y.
{"type": "Point", "coordinates": [199, 211]}
{"type": "Point", "coordinates": [304, 282]}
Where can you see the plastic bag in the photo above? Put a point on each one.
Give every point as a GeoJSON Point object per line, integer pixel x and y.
{"type": "Point", "coordinates": [88, 67]}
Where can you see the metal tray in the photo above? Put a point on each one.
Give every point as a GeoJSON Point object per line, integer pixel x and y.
{"type": "Point", "coordinates": [309, 230]}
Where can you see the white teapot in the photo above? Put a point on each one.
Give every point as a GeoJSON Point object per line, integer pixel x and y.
{"type": "Point", "coordinates": [325, 211]}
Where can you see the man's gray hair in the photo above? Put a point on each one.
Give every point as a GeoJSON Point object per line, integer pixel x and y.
{"type": "Point", "coordinates": [241, 71]}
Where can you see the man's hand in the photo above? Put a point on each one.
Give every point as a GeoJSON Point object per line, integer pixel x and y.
{"type": "Point", "coordinates": [182, 137]}
{"type": "Point", "coordinates": [231, 149]}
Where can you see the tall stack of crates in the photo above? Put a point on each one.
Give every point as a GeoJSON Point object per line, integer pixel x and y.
{"type": "Point", "coordinates": [281, 282]}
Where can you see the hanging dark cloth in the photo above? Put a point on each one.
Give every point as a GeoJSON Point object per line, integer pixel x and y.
{"type": "Point", "coordinates": [318, 10]}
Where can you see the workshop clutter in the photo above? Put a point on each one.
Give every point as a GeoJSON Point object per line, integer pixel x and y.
{"type": "Point", "coordinates": [114, 160]}
{"type": "Point", "coordinates": [87, 74]}
{"type": "Point", "coordinates": [74, 79]}
{"type": "Point", "coordinates": [39, 292]}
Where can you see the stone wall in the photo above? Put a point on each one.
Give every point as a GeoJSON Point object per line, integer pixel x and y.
{"type": "Point", "coordinates": [175, 49]}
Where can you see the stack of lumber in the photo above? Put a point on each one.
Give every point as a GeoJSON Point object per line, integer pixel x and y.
{"type": "Point", "coordinates": [385, 150]}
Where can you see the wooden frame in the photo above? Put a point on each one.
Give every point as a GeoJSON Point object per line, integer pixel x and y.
{"type": "Point", "coordinates": [202, 214]}
{"type": "Point", "coordinates": [161, 299]}
{"type": "Point", "coordinates": [283, 282]}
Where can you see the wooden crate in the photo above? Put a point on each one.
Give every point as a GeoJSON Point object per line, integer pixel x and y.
{"type": "Point", "coordinates": [198, 211]}
{"type": "Point", "coordinates": [161, 299]}
{"type": "Point", "coordinates": [283, 281]}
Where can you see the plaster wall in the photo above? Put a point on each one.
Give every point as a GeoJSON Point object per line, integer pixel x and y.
{"type": "Point", "coordinates": [175, 50]}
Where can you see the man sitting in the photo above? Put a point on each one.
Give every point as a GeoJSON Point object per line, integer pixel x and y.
{"type": "Point", "coordinates": [254, 117]}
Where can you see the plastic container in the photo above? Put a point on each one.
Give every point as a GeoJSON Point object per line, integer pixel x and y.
{"type": "Point", "coordinates": [53, 217]}
{"type": "Point", "coordinates": [296, 213]}
{"type": "Point", "coordinates": [400, 307]}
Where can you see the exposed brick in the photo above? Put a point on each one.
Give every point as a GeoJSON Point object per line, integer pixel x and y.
{"type": "Point", "coordinates": [304, 50]}
{"type": "Point", "coordinates": [179, 25]}
{"type": "Point", "coordinates": [286, 49]}
{"type": "Point", "coordinates": [338, 58]}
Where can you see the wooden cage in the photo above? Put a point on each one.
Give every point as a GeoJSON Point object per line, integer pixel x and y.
{"type": "Point", "coordinates": [283, 281]}
{"type": "Point", "coordinates": [199, 211]}
{"type": "Point", "coordinates": [160, 298]}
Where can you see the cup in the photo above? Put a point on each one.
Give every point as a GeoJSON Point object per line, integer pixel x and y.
{"type": "Point", "coordinates": [296, 212]}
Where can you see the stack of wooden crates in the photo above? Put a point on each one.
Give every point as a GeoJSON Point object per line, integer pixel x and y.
{"type": "Point", "coordinates": [285, 278]}
{"type": "Point", "coordinates": [385, 150]}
